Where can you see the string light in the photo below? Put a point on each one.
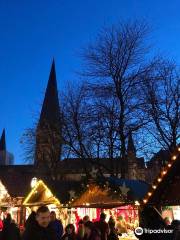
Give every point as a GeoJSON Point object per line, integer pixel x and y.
{"type": "Point", "coordinates": [137, 203]}
{"type": "Point", "coordinates": [162, 173]}
{"type": "Point", "coordinates": [174, 157]}
{"type": "Point", "coordinates": [34, 191]}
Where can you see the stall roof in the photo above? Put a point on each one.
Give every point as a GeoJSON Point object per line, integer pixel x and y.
{"type": "Point", "coordinates": [40, 194]}
{"type": "Point", "coordinates": [95, 196]}
{"type": "Point", "coordinates": [165, 188]}
{"type": "Point", "coordinates": [138, 188]}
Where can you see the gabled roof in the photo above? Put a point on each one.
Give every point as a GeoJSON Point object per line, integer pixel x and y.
{"type": "Point", "coordinates": [165, 188]}
{"type": "Point", "coordinates": [95, 196]}
{"type": "Point", "coordinates": [16, 179]}
{"type": "Point", "coordinates": [40, 194]}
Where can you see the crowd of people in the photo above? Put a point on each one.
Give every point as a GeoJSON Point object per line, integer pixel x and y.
{"type": "Point", "coordinates": [43, 225]}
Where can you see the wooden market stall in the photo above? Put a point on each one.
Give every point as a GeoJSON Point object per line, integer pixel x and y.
{"type": "Point", "coordinates": [164, 194]}
{"type": "Point", "coordinates": [9, 204]}
{"type": "Point", "coordinates": [40, 195]}
{"type": "Point", "coordinates": [122, 205]}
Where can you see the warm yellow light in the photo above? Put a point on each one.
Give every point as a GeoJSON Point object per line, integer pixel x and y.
{"type": "Point", "coordinates": [34, 190]}
{"type": "Point", "coordinates": [154, 186]}
{"type": "Point", "coordinates": [178, 149]}
{"type": "Point", "coordinates": [169, 165]}
{"type": "Point", "coordinates": [174, 157]}
{"type": "Point", "coordinates": [149, 193]}
{"type": "Point", "coordinates": [145, 200]}
{"type": "Point", "coordinates": [159, 179]}
{"type": "Point", "coordinates": [87, 204]}
{"type": "Point", "coordinates": [164, 172]}
{"type": "Point", "coordinates": [137, 203]}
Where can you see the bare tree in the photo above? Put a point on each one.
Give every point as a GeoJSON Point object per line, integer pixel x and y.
{"type": "Point", "coordinates": [162, 104]}
{"type": "Point", "coordinates": [117, 63]}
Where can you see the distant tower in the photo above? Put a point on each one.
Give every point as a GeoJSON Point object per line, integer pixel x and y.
{"type": "Point", "coordinates": [3, 148]}
{"type": "Point", "coordinates": [6, 158]}
{"type": "Point", "coordinates": [131, 157]}
{"type": "Point", "coordinates": [48, 132]}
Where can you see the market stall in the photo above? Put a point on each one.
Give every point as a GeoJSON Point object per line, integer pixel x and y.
{"type": "Point", "coordinates": [164, 193]}
{"type": "Point", "coordinates": [9, 204]}
{"type": "Point", "coordinates": [41, 194]}
{"type": "Point", "coordinates": [122, 205]}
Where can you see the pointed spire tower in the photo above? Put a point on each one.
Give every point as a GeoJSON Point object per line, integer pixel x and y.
{"type": "Point", "coordinates": [131, 157]}
{"type": "Point", "coordinates": [3, 148]}
{"type": "Point", "coordinates": [3, 141]}
{"type": "Point", "coordinates": [50, 109]}
{"type": "Point", "coordinates": [48, 132]}
{"type": "Point", "coordinates": [131, 150]}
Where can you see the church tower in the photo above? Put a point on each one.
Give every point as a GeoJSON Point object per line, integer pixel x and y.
{"type": "Point", "coordinates": [131, 157]}
{"type": "Point", "coordinates": [49, 128]}
{"type": "Point", "coordinates": [3, 148]}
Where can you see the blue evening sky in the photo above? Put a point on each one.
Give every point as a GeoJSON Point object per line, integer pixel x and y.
{"type": "Point", "coordinates": [33, 31]}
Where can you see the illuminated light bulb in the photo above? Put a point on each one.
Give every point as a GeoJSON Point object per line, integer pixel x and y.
{"type": "Point", "coordinates": [178, 149]}
{"type": "Point", "coordinates": [159, 179]}
{"type": "Point", "coordinates": [174, 157]}
{"type": "Point", "coordinates": [164, 172]}
{"type": "Point", "coordinates": [154, 186]}
{"type": "Point", "coordinates": [169, 165]}
{"type": "Point", "coordinates": [149, 193]}
{"type": "Point", "coordinates": [137, 203]}
{"type": "Point", "coordinates": [145, 200]}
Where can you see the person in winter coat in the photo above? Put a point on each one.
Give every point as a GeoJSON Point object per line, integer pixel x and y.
{"type": "Point", "coordinates": [90, 232]}
{"type": "Point", "coordinates": [10, 230]}
{"type": "Point", "coordinates": [31, 220]}
{"type": "Point", "coordinates": [113, 232]}
{"type": "Point", "coordinates": [40, 229]}
{"type": "Point", "coordinates": [80, 231]}
{"type": "Point", "coordinates": [56, 225]}
{"type": "Point", "coordinates": [102, 226]}
{"type": "Point", "coordinates": [69, 233]}
{"type": "Point", "coordinates": [175, 225]}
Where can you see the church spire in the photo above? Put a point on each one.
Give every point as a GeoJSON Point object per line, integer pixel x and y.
{"type": "Point", "coordinates": [49, 128]}
{"type": "Point", "coordinates": [3, 141]}
{"type": "Point", "coordinates": [131, 148]}
{"type": "Point", "coordinates": [50, 112]}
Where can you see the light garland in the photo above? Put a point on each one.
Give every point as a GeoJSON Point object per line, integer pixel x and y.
{"type": "Point", "coordinates": [161, 175]}
{"type": "Point", "coordinates": [34, 190]}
